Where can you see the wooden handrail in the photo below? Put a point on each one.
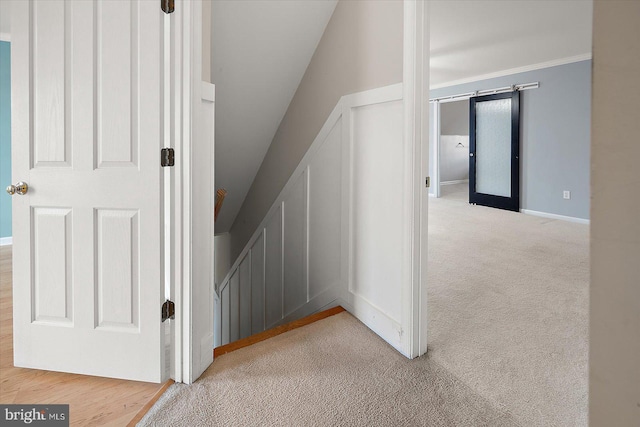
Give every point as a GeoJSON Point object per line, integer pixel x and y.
{"type": "Point", "coordinates": [220, 195]}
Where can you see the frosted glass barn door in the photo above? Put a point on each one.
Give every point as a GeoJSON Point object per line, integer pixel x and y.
{"type": "Point", "coordinates": [494, 165]}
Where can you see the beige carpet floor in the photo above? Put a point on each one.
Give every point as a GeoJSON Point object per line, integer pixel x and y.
{"type": "Point", "coordinates": [508, 339]}
{"type": "Point", "coordinates": [331, 373]}
{"type": "Point", "coordinates": [458, 192]}
{"type": "Point", "coordinates": [508, 304]}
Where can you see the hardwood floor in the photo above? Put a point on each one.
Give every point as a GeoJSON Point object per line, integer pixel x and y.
{"type": "Point", "coordinates": [93, 401]}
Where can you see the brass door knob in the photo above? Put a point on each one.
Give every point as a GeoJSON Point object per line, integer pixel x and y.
{"type": "Point", "coordinates": [20, 188]}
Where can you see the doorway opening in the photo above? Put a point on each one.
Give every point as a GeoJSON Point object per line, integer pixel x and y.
{"type": "Point", "coordinates": [453, 141]}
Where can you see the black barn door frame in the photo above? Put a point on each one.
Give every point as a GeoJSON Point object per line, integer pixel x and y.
{"type": "Point", "coordinates": [509, 203]}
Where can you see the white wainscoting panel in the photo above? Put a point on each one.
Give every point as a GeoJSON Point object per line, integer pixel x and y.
{"type": "Point", "coordinates": [225, 305]}
{"type": "Point", "coordinates": [273, 269]}
{"type": "Point", "coordinates": [245, 297]}
{"type": "Point", "coordinates": [337, 233]}
{"type": "Point", "coordinates": [325, 208]}
{"type": "Point", "coordinates": [380, 212]}
{"type": "Point", "coordinates": [295, 246]}
{"type": "Point", "coordinates": [234, 307]}
{"type": "Point", "coordinates": [257, 285]}
{"type": "Point", "coordinates": [377, 218]}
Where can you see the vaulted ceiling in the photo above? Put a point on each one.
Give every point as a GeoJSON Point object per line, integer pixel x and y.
{"type": "Point", "coordinates": [472, 38]}
{"type": "Point", "coordinates": [260, 51]}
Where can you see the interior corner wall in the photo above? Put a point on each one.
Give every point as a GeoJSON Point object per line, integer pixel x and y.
{"type": "Point", "coordinates": [614, 317]}
{"type": "Point", "coordinates": [454, 141]}
{"type": "Point", "coordinates": [5, 137]}
{"type": "Point", "coordinates": [454, 118]}
{"type": "Point", "coordinates": [360, 49]}
{"type": "Point", "coordinates": [222, 255]}
{"type": "Point", "coordinates": [207, 20]}
{"type": "Point", "coordinates": [555, 122]}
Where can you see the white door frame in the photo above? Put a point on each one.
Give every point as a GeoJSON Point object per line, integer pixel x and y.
{"type": "Point", "coordinates": [435, 148]}
{"type": "Point", "coordinates": [416, 131]}
{"type": "Point", "coordinates": [187, 93]}
{"type": "Point", "coordinates": [182, 69]}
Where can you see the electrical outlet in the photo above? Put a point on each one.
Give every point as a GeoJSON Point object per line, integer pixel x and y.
{"type": "Point", "coordinates": [566, 194]}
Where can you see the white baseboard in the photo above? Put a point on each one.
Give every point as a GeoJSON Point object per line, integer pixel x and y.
{"type": "Point", "coordinates": [6, 241]}
{"type": "Point", "coordinates": [457, 181]}
{"type": "Point", "coordinates": [555, 216]}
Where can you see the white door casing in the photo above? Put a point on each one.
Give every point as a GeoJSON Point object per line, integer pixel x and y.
{"type": "Point", "coordinates": [202, 254]}
{"type": "Point", "coordinates": [193, 200]}
{"type": "Point", "coordinates": [88, 236]}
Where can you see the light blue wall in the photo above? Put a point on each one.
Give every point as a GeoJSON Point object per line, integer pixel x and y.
{"type": "Point", "coordinates": [555, 138]}
{"type": "Point", "coordinates": [5, 138]}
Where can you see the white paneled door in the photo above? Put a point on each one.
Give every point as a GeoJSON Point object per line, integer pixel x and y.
{"type": "Point", "coordinates": [87, 257]}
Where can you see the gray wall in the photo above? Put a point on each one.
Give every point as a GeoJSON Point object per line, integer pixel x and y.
{"type": "Point", "coordinates": [614, 355]}
{"type": "Point", "coordinates": [555, 133]}
{"type": "Point", "coordinates": [360, 49]}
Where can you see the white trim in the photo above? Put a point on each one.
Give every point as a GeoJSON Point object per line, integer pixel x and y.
{"type": "Point", "coordinates": [375, 96]}
{"type": "Point", "coordinates": [208, 91]}
{"type": "Point", "coordinates": [180, 41]}
{"type": "Point", "coordinates": [435, 129]}
{"type": "Point", "coordinates": [555, 216]}
{"type": "Point", "coordinates": [517, 70]}
{"type": "Point", "coordinates": [416, 132]}
{"type": "Point", "coordinates": [6, 241]}
{"type": "Point", "coordinates": [455, 181]}
{"type": "Point", "coordinates": [5, 37]}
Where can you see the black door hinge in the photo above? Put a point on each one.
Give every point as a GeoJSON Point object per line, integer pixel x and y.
{"type": "Point", "coordinates": [167, 6]}
{"type": "Point", "coordinates": [167, 157]}
{"type": "Point", "coordinates": [168, 310]}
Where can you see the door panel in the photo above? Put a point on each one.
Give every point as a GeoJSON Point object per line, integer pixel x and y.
{"type": "Point", "coordinates": [494, 136]}
{"type": "Point", "coordinates": [52, 286]}
{"type": "Point", "coordinates": [87, 236]}
{"type": "Point", "coordinates": [117, 268]}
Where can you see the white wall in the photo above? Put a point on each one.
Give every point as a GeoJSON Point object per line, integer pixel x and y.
{"type": "Point", "coordinates": [361, 49]}
{"type": "Point", "coordinates": [5, 20]}
{"type": "Point", "coordinates": [223, 256]}
{"type": "Point", "coordinates": [207, 19]}
{"type": "Point", "coordinates": [614, 358]}
{"type": "Point", "coordinates": [454, 141]}
{"type": "Point", "coordinates": [454, 158]}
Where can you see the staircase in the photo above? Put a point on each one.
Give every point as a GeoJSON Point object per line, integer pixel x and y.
{"type": "Point", "coordinates": [339, 232]}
